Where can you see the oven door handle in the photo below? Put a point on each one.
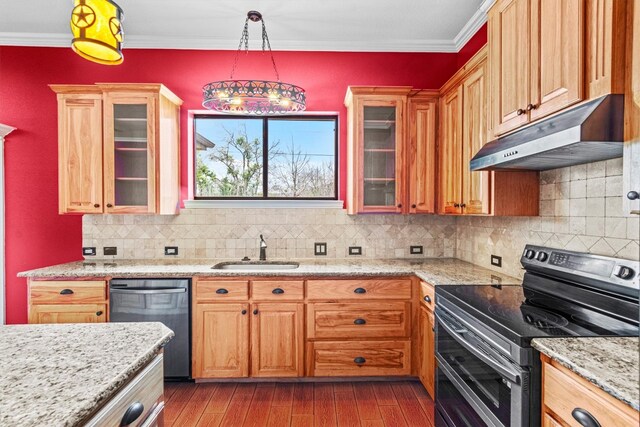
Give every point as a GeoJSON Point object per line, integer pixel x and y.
{"type": "Point", "coordinates": [149, 291]}
{"type": "Point", "coordinates": [509, 374]}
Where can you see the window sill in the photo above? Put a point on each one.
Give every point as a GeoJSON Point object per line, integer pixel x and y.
{"type": "Point", "coordinates": [288, 204]}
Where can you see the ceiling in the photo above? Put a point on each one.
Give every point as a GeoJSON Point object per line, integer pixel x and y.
{"type": "Point", "coordinates": [325, 25]}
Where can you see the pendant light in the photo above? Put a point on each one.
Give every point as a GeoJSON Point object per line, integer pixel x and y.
{"type": "Point", "coordinates": [97, 31]}
{"type": "Point", "coordinates": [254, 97]}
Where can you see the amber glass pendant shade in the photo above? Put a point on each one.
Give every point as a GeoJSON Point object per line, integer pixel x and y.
{"type": "Point", "coordinates": [97, 31]}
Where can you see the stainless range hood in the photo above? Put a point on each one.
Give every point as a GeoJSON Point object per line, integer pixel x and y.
{"type": "Point", "coordinates": [587, 133]}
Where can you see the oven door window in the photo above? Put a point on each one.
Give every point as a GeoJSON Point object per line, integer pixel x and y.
{"type": "Point", "coordinates": [485, 383]}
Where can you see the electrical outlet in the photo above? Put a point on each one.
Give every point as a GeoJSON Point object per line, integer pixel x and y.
{"type": "Point", "coordinates": [319, 248]}
{"type": "Point", "coordinates": [496, 260]}
{"type": "Point", "coordinates": [171, 250]}
{"type": "Point", "coordinates": [89, 250]}
{"type": "Point", "coordinates": [355, 250]}
{"type": "Point", "coordinates": [110, 250]}
{"type": "Point", "coordinates": [416, 250]}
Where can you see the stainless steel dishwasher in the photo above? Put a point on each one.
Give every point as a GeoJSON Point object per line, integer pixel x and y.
{"type": "Point", "coordinates": [157, 300]}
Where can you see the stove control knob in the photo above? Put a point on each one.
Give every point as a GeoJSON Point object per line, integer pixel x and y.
{"type": "Point", "coordinates": [623, 272]}
{"type": "Point", "coordinates": [542, 256]}
{"type": "Point", "coordinates": [529, 254]}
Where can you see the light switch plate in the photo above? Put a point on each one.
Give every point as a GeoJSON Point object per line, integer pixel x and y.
{"type": "Point", "coordinates": [171, 250]}
{"type": "Point", "coordinates": [416, 250]}
{"type": "Point", "coordinates": [320, 248]}
{"type": "Point", "coordinates": [355, 250]}
{"type": "Point", "coordinates": [496, 260]}
{"type": "Point", "coordinates": [89, 250]}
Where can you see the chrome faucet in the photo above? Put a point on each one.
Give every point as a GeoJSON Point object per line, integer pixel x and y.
{"type": "Point", "coordinates": [263, 249]}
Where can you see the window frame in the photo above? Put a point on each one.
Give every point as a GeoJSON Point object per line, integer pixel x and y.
{"type": "Point", "coordinates": [265, 154]}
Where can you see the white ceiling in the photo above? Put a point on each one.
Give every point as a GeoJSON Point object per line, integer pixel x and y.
{"type": "Point", "coordinates": [329, 25]}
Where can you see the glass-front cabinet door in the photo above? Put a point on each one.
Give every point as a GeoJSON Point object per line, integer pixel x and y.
{"type": "Point", "coordinates": [129, 153]}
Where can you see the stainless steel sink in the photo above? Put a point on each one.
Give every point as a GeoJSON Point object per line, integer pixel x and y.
{"type": "Point", "coordinates": [256, 265]}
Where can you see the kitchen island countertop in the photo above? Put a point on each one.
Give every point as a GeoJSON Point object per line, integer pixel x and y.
{"type": "Point", "coordinates": [437, 271]}
{"type": "Point", "coordinates": [610, 363]}
{"type": "Point", "coordinates": [60, 374]}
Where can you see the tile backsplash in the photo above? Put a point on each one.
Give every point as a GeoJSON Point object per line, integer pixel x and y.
{"type": "Point", "coordinates": [580, 209]}
{"type": "Point", "coordinates": [290, 233]}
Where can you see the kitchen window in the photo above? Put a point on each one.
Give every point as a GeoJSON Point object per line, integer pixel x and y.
{"type": "Point", "coordinates": [265, 158]}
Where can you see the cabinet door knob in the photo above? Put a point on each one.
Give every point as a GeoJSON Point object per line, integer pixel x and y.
{"type": "Point", "coordinates": [399, 205]}
{"type": "Point", "coordinates": [96, 205]}
{"type": "Point", "coordinates": [278, 291]}
{"type": "Point", "coordinates": [244, 312]}
{"type": "Point", "coordinates": [456, 205]}
{"type": "Point", "coordinates": [255, 311]}
{"type": "Point", "coordinates": [359, 360]}
{"type": "Point", "coordinates": [99, 313]}
{"type": "Point", "coordinates": [413, 206]}
{"type": "Point", "coordinates": [633, 195]}
{"type": "Point", "coordinates": [359, 322]}
{"type": "Point", "coordinates": [584, 418]}
{"type": "Point", "coordinates": [222, 291]}
{"type": "Point", "coordinates": [109, 205]}
{"type": "Point", "coordinates": [532, 107]}
{"type": "Point", "coordinates": [462, 205]}
{"type": "Point", "coordinates": [427, 298]}
{"type": "Point", "coordinates": [66, 292]}
{"type": "Point", "coordinates": [359, 291]}
{"type": "Point", "coordinates": [520, 112]}
{"type": "Point", "coordinates": [133, 413]}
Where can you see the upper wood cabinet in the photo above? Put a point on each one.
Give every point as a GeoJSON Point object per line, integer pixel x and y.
{"type": "Point", "coordinates": [536, 54]}
{"type": "Point", "coordinates": [391, 149]}
{"type": "Point", "coordinates": [375, 149]}
{"type": "Point", "coordinates": [118, 148]}
{"type": "Point", "coordinates": [423, 122]}
{"type": "Point", "coordinates": [463, 131]}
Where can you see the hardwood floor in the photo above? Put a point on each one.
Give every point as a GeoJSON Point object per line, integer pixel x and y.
{"type": "Point", "coordinates": [351, 404]}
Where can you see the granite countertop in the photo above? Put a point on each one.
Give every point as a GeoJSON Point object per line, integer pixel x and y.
{"type": "Point", "coordinates": [438, 271]}
{"type": "Point", "coordinates": [611, 363]}
{"type": "Point", "coordinates": [58, 375]}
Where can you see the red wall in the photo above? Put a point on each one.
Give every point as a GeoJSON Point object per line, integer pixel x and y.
{"type": "Point", "coordinates": [36, 236]}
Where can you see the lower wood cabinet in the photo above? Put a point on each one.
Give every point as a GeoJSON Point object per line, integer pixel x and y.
{"type": "Point", "coordinates": [277, 340]}
{"type": "Point", "coordinates": [358, 358]}
{"type": "Point", "coordinates": [566, 395]}
{"type": "Point", "coordinates": [220, 336]}
{"type": "Point", "coordinates": [427, 369]}
{"type": "Point", "coordinates": [68, 301]}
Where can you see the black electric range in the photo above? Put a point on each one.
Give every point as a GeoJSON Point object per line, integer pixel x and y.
{"type": "Point", "coordinates": [488, 374]}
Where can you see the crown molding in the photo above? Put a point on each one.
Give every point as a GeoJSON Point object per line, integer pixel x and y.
{"type": "Point", "coordinates": [203, 43]}
{"type": "Point", "coordinates": [473, 25]}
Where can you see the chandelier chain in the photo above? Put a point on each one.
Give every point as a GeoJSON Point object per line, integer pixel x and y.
{"type": "Point", "coordinates": [244, 39]}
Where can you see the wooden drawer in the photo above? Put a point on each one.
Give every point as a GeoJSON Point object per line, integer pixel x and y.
{"type": "Point", "coordinates": [359, 289]}
{"type": "Point", "coordinates": [359, 358]}
{"type": "Point", "coordinates": [66, 292]}
{"type": "Point", "coordinates": [359, 320]}
{"type": "Point", "coordinates": [145, 388]}
{"type": "Point", "coordinates": [564, 391]}
{"type": "Point", "coordinates": [222, 290]}
{"type": "Point", "coordinates": [277, 290]}
{"type": "Point", "coordinates": [428, 295]}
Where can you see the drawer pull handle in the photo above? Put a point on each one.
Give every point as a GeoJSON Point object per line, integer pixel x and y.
{"type": "Point", "coordinates": [66, 292]}
{"type": "Point", "coordinates": [359, 322]}
{"type": "Point", "coordinates": [222, 291]}
{"type": "Point", "coordinates": [99, 313]}
{"type": "Point", "coordinates": [359, 360]}
{"type": "Point", "coordinates": [360, 291]}
{"type": "Point", "coordinates": [584, 418]}
{"type": "Point", "coordinates": [133, 413]}
{"type": "Point", "coordinates": [278, 291]}
{"type": "Point", "coordinates": [427, 298]}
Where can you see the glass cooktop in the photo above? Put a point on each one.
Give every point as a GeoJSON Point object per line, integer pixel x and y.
{"type": "Point", "coordinates": [520, 314]}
